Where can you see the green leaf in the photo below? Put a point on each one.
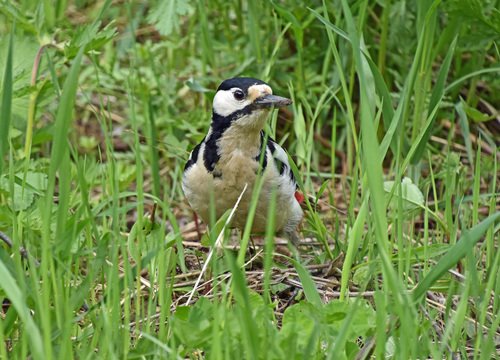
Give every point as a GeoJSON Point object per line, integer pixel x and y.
{"type": "Point", "coordinates": [23, 52]}
{"type": "Point", "coordinates": [383, 91]}
{"type": "Point", "coordinates": [483, 17]}
{"type": "Point", "coordinates": [287, 15]}
{"type": "Point", "coordinates": [192, 326]}
{"type": "Point", "coordinates": [372, 156]}
{"type": "Point", "coordinates": [209, 236]}
{"type": "Point", "coordinates": [410, 193]}
{"type": "Point", "coordinates": [303, 322]}
{"type": "Point", "coordinates": [21, 199]}
{"type": "Point", "coordinates": [35, 180]}
{"type": "Point", "coordinates": [91, 38]}
{"type": "Point", "coordinates": [300, 318]}
{"type": "Point", "coordinates": [166, 14]}
{"type": "Point", "coordinates": [240, 291]}
{"type": "Point", "coordinates": [330, 25]}
{"type": "Point", "coordinates": [474, 114]}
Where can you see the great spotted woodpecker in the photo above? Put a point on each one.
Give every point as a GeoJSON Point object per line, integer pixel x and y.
{"type": "Point", "coordinates": [230, 156]}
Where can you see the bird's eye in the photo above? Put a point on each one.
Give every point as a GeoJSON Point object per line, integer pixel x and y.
{"type": "Point", "coordinates": [238, 95]}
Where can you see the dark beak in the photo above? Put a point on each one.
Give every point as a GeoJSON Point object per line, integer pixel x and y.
{"type": "Point", "coordinates": [269, 100]}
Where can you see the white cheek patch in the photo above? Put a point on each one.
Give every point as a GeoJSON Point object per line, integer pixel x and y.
{"type": "Point", "coordinates": [225, 104]}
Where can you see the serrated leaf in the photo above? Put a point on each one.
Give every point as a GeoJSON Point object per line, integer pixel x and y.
{"type": "Point", "coordinates": [36, 180]}
{"type": "Point", "coordinates": [165, 16]}
{"type": "Point", "coordinates": [91, 37]}
{"type": "Point", "coordinates": [21, 199]}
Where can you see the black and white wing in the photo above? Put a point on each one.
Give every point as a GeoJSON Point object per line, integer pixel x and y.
{"type": "Point", "coordinates": [280, 158]}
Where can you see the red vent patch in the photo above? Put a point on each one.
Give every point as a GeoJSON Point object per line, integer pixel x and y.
{"type": "Point", "coordinates": [299, 196]}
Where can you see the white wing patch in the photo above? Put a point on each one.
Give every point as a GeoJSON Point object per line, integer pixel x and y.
{"type": "Point", "coordinates": [280, 154]}
{"type": "Point", "coordinates": [280, 158]}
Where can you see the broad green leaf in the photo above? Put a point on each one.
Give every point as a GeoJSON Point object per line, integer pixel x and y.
{"type": "Point", "coordinates": [408, 191]}
{"type": "Point", "coordinates": [209, 236]}
{"type": "Point", "coordinates": [166, 14]}
{"type": "Point", "coordinates": [23, 52]}
{"type": "Point", "coordinates": [192, 325]}
{"type": "Point", "coordinates": [35, 180]}
{"type": "Point", "coordinates": [22, 197]}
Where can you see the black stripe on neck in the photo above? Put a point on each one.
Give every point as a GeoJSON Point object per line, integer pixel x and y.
{"type": "Point", "coordinates": [262, 147]}
{"type": "Point", "coordinates": [220, 124]}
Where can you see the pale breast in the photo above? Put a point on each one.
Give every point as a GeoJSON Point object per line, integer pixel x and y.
{"type": "Point", "coordinates": [223, 185]}
{"type": "Point", "coordinates": [202, 187]}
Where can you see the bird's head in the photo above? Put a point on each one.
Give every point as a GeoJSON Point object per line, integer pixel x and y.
{"type": "Point", "coordinates": [245, 102]}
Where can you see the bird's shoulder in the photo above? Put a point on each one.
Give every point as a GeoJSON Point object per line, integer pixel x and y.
{"type": "Point", "coordinates": [208, 151]}
{"type": "Point", "coordinates": [193, 156]}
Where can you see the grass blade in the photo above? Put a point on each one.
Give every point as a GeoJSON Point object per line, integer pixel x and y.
{"type": "Point", "coordinates": [459, 250]}
{"type": "Point", "coordinates": [5, 110]}
{"type": "Point", "coordinates": [242, 296]}
{"type": "Point", "coordinates": [372, 155]}
{"type": "Point", "coordinates": [217, 245]}
{"type": "Point", "coordinates": [355, 236]}
{"type": "Point", "coordinates": [64, 116]}
{"type": "Point", "coordinates": [464, 125]}
{"type": "Point", "coordinates": [16, 297]}
{"type": "Point", "coordinates": [310, 290]}
{"type": "Point", "coordinates": [436, 96]}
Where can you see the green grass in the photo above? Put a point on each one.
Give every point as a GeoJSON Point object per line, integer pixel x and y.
{"type": "Point", "coordinates": [393, 131]}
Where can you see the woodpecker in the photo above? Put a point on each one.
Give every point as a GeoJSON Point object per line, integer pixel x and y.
{"type": "Point", "coordinates": [230, 156]}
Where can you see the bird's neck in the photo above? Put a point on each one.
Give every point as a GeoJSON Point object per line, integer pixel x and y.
{"type": "Point", "coordinates": [238, 134]}
{"type": "Point", "coordinates": [246, 141]}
